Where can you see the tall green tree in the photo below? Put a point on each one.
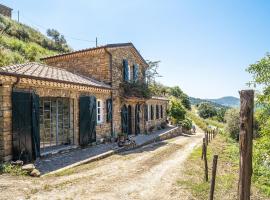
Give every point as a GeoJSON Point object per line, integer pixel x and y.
{"type": "Point", "coordinates": [206, 110]}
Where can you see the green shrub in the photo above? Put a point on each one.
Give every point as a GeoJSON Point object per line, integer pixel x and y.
{"type": "Point", "coordinates": [11, 169]}
{"type": "Point", "coordinates": [186, 124]}
{"type": "Point", "coordinates": [206, 110]}
{"type": "Point", "coordinates": [232, 122]}
{"type": "Point", "coordinates": [176, 110]}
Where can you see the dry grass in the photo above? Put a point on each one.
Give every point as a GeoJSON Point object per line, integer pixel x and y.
{"type": "Point", "coordinates": [227, 172]}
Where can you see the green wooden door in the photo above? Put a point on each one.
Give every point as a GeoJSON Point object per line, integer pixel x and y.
{"type": "Point", "coordinates": [88, 120]}
{"type": "Point", "coordinates": [25, 126]}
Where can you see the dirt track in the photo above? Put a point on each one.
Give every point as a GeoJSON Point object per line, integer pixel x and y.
{"type": "Point", "coordinates": [147, 173]}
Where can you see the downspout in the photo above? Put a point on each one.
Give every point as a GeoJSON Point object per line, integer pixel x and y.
{"type": "Point", "coordinates": [111, 79]}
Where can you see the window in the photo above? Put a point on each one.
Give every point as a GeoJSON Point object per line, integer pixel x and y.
{"type": "Point", "coordinates": [126, 70]}
{"type": "Point", "coordinates": [152, 112]}
{"type": "Point", "coordinates": [161, 111]}
{"type": "Point", "coordinates": [149, 112]}
{"type": "Point", "coordinates": [146, 116]}
{"type": "Point", "coordinates": [99, 111]}
{"type": "Point", "coordinates": [135, 73]}
{"type": "Point", "coordinates": [129, 73]}
{"type": "Point", "coordinates": [157, 112]}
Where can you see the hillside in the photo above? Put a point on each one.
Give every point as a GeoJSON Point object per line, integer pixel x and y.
{"type": "Point", "coordinates": [195, 101]}
{"type": "Point", "coordinates": [227, 101]}
{"type": "Point", "coordinates": [21, 43]}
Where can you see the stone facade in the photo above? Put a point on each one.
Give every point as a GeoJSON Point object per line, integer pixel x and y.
{"type": "Point", "coordinates": [92, 64]}
{"type": "Point", "coordinates": [104, 64]}
{"type": "Point", "coordinates": [6, 11]}
{"type": "Point", "coordinates": [5, 122]}
{"type": "Point", "coordinates": [45, 89]}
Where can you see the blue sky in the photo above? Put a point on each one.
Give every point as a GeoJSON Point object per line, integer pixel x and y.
{"type": "Point", "coordinates": [204, 46]}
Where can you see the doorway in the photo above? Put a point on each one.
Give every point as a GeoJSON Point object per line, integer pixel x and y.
{"type": "Point", "coordinates": [56, 123]}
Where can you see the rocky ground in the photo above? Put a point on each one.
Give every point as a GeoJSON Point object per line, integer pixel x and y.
{"type": "Point", "coordinates": [148, 173]}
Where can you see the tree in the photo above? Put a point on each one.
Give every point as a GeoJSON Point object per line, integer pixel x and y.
{"type": "Point", "coordinates": [261, 77]}
{"type": "Point", "coordinates": [59, 39]}
{"type": "Point", "coordinates": [206, 110]}
{"type": "Point", "coordinates": [221, 114]}
{"type": "Point", "coordinates": [151, 73]}
{"type": "Point", "coordinates": [176, 110]}
{"type": "Point", "coordinates": [178, 93]}
{"type": "Point", "coordinates": [232, 119]}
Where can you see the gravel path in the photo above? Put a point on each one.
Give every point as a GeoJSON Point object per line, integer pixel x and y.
{"type": "Point", "coordinates": [148, 173]}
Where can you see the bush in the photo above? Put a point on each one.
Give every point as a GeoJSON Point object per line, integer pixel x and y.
{"type": "Point", "coordinates": [12, 169]}
{"type": "Point", "coordinates": [186, 124]}
{"type": "Point", "coordinates": [232, 119]}
{"type": "Point", "coordinates": [206, 110]}
{"type": "Point", "coordinates": [163, 125]}
{"type": "Point", "coordinates": [176, 111]}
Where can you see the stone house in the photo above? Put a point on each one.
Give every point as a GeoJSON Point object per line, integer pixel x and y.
{"type": "Point", "coordinates": [6, 11]}
{"type": "Point", "coordinates": [75, 99]}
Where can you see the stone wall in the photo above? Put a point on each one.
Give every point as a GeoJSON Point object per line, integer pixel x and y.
{"type": "Point", "coordinates": [5, 122]}
{"type": "Point", "coordinates": [5, 11]}
{"type": "Point", "coordinates": [102, 130]}
{"type": "Point", "coordinates": [93, 64]}
{"type": "Point", "coordinates": [118, 55]}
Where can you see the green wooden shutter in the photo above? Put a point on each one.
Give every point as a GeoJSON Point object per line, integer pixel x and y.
{"type": "Point", "coordinates": [88, 119]}
{"type": "Point", "coordinates": [93, 118]}
{"type": "Point", "coordinates": [135, 72]}
{"type": "Point", "coordinates": [124, 119]}
{"type": "Point", "coordinates": [125, 70]}
{"type": "Point", "coordinates": [109, 110]}
{"type": "Point", "coordinates": [137, 119]}
{"type": "Point", "coordinates": [22, 126]}
{"type": "Point", "coordinates": [35, 126]}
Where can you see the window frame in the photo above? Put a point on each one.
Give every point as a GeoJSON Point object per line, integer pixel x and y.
{"type": "Point", "coordinates": [99, 114]}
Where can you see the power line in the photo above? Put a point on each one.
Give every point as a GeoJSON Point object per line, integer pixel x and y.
{"type": "Point", "coordinates": [44, 28]}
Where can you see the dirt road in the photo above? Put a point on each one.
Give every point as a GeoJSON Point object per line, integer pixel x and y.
{"type": "Point", "coordinates": [147, 173]}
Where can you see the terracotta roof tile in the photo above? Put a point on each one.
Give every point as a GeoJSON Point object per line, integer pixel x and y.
{"type": "Point", "coordinates": [42, 71]}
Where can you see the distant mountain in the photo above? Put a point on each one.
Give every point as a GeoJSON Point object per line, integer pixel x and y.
{"type": "Point", "coordinates": [195, 101]}
{"type": "Point", "coordinates": [228, 101]}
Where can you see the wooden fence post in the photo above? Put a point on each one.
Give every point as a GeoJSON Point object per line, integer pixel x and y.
{"type": "Point", "coordinates": [245, 143]}
{"type": "Point", "coordinates": [213, 180]}
{"type": "Point", "coordinates": [206, 138]}
{"type": "Point", "coordinates": [203, 145]}
{"type": "Point", "coordinates": [205, 163]}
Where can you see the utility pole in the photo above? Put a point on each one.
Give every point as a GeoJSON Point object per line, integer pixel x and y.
{"type": "Point", "coordinates": [18, 16]}
{"type": "Point", "coordinates": [96, 42]}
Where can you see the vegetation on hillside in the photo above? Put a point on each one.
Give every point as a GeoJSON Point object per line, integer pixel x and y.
{"type": "Point", "coordinates": [192, 178]}
{"type": "Point", "coordinates": [20, 43]}
{"type": "Point", "coordinates": [261, 155]}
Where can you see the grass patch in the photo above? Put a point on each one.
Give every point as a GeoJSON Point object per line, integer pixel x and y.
{"type": "Point", "coordinates": [12, 169]}
{"type": "Point", "coordinates": [227, 171]}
